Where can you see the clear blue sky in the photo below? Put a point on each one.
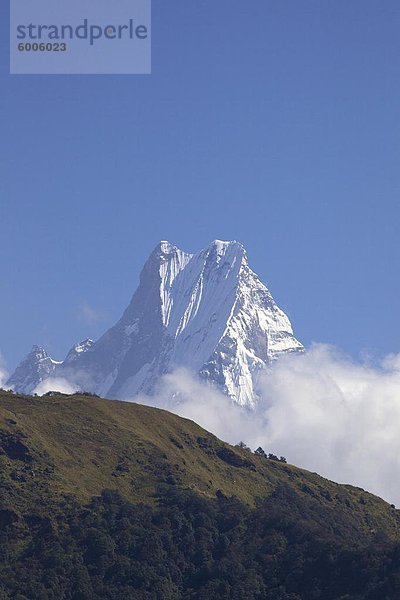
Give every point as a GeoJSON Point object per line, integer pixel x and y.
{"type": "Point", "coordinates": [273, 122]}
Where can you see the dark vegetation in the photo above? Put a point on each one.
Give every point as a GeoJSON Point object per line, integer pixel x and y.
{"type": "Point", "coordinates": [188, 517]}
{"type": "Point", "coordinates": [189, 547]}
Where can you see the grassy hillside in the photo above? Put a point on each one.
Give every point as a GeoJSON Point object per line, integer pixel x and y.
{"type": "Point", "coordinates": [77, 446]}
{"type": "Point", "coordinates": [104, 500]}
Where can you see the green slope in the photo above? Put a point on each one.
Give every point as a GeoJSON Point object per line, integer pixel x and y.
{"type": "Point", "coordinates": [104, 500]}
{"type": "Point", "coordinates": [77, 446]}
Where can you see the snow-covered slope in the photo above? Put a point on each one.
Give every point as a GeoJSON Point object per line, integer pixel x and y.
{"type": "Point", "coordinates": [207, 312]}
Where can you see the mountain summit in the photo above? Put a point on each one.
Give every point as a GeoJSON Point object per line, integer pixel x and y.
{"type": "Point", "coordinates": [35, 368]}
{"type": "Point", "coordinates": [207, 312]}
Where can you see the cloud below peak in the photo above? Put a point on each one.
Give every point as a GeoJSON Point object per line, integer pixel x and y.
{"type": "Point", "coordinates": [322, 410]}
{"type": "Point", "coordinates": [55, 384]}
{"type": "Point", "coordinates": [3, 372]}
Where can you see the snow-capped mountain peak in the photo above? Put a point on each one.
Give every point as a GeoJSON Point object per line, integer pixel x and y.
{"type": "Point", "coordinates": [206, 311]}
{"type": "Point", "coordinates": [36, 367]}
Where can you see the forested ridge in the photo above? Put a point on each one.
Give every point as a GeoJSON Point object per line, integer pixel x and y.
{"type": "Point", "coordinates": [190, 547]}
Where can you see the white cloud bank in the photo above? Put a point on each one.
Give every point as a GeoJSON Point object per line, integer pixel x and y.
{"type": "Point", "coordinates": [55, 384]}
{"type": "Point", "coordinates": [3, 372]}
{"type": "Point", "coordinates": [321, 410]}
